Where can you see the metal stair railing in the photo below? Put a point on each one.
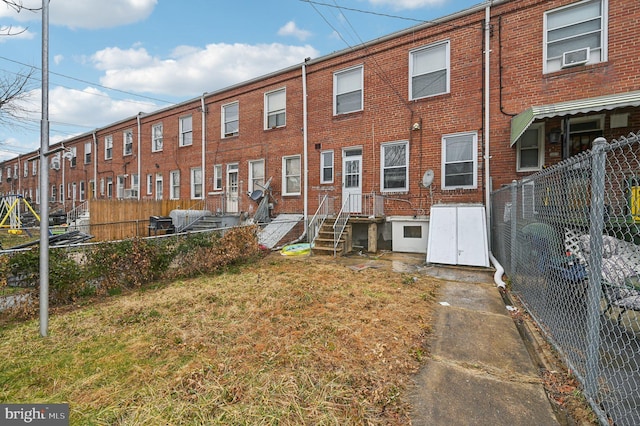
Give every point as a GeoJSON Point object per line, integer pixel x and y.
{"type": "Point", "coordinates": [76, 212]}
{"type": "Point", "coordinates": [341, 223]}
{"type": "Point", "coordinates": [198, 205]}
{"type": "Point", "coordinates": [316, 222]}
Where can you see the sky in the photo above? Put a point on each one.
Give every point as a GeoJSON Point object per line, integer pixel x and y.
{"type": "Point", "coordinates": [109, 60]}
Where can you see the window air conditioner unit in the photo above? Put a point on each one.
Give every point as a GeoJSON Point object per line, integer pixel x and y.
{"type": "Point", "coordinates": [131, 193]}
{"type": "Point", "coordinates": [55, 164]}
{"type": "Point", "coordinates": [575, 57]}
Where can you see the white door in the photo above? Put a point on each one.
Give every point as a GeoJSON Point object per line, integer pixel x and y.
{"type": "Point", "coordinates": [232, 188]}
{"type": "Point", "coordinates": [352, 179]}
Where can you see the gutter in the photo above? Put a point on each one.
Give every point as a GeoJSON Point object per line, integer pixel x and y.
{"type": "Point", "coordinates": [497, 276]}
{"type": "Point", "coordinates": [487, 118]}
{"type": "Point", "coordinates": [305, 138]}
{"type": "Point", "coordinates": [204, 139]}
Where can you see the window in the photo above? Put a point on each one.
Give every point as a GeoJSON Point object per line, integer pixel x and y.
{"type": "Point", "coordinates": [102, 187]}
{"type": "Point", "coordinates": [186, 131]}
{"type": "Point", "coordinates": [159, 186]}
{"type": "Point", "coordinates": [61, 193]}
{"type": "Point", "coordinates": [156, 136]}
{"type": "Point", "coordinates": [196, 183]}
{"type": "Point", "coordinates": [109, 187]}
{"type": "Point", "coordinates": [230, 120]}
{"type": "Point", "coordinates": [459, 161]}
{"type": "Point", "coordinates": [15, 171]}
{"type": "Point", "coordinates": [25, 169]}
{"type": "Point", "coordinates": [256, 175]}
{"type": "Point", "coordinates": [291, 175]}
{"type": "Point", "coordinates": [174, 185]}
{"type": "Point", "coordinates": [582, 132]}
{"type": "Point", "coordinates": [217, 177]}
{"type": "Point", "coordinates": [326, 167]}
{"type": "Point", "coordinates": [149, 184]}
{"type": "Point", "coordinates": [54, 193]}
{"type": "Point", "coordinates": [82, 190]}
{"type": "Point", "coordinates": [87, 152]}
{"type": "Point", "coordinates": [92, 188]}
{"type": "Point", "coordinates": [8, 173]}
{"type": "Point", "coordinates": [120, 180]}
{"type": "Point", "coordinates": [395, 166]}
{"type": "Point", "coordinates": [73, 154]}
{"type": "Point", "coordinates": [530, 148]}
{"type": "Point", "coordinates": [108, 147]}
{"type": "Point", "coordinates": [429, 71]}
{"type": "Point", "coordinates": [347, 90]}
{"type": "Point", "coordinates": [575, 35]}
{"type": "Point", "coordinates": [34, 168]}
{"type": "Point", "coordinates": [275, 107]}
{"type": "Point", "coordinates": [127, 142]}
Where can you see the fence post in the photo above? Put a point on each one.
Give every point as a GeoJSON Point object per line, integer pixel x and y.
{"type": "Point", "coordinates": [514, 218]}
{"type": "Point", "coordinates": [596, 225]}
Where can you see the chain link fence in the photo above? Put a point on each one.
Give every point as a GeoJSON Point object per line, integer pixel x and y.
{"type": "Point", "coordinates": [569, 240]}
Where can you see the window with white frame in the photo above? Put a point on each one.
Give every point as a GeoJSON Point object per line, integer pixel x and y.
{"type": "Point", "coordinates": [348, 90]}
{"type": "Point", "coordinates": [582, 132]}
{"type": "Point", "coordinates": [149, 184]}
{"type": "Point", "coordinates": [394, 173]}
{"type": "Point", "coordinates": [230, 119]}
{"type": "Point", "coordinates": [92, 188]}
{"type": "Point", "coordinates": [174, 185]}
{"type": "Point", "coordinates": [156, 136]}
{"type": "Point", "coordinates": [61, 193]}
{"type": "Point", "coordinates": [87, 152]}
{"type": "Point", "coordinates": [186, 131]}
{"type": "Point", "coordinates": [530, 149]}
{"type": "Point", "coordinates": [54, 193]}
{"type": "Point", "coordinates": [291, 173]}
{"type": "Point", "coordinates": [82, 191]}
{"type": "Point", "coordinates": [460, 161]}
{"type": "Point", "coordinates": [108, 147]}
{"type": "Point", "coordinates": [275, 109]}
{"type": "Point", "coordinates": [127, 142]}
{"type": "Point", "coordinates": [120, 181]}
{"type": "Point", "coordinates": [196, 183]}
{"type": "Point", "coordinates": [575, 35]}
{"type": "Point", "coordinates": [8, 173]}
{"type": "Point", "coordinates": [159, 186]}
{"type": "Point", "coordinates": [15, 171]}
{"type": "Point", "coordinates": [73, 155]}
{"type": "Point", "coordinates": [109, 187]}
{"type": "Point", "coordinates": [135, 182]}
{"type": "Point", "coordinates": [34, 167]}
{"type": "Point", "coordinates": [429, 71]}
{"type": "Point", "coordinates": [256, 175]}
{"type": "Point", "coordinates": [326, 167]}
{"type": "Point", "coordinates": [102, 187]}
{"type": "Point", "coordinates": [217, 177]}
{"type": "Point", "coordinates": [25, 169]}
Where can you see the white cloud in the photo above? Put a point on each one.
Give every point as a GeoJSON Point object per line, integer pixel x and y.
{"type": "Point", "coordinates": [190, 71]}
{"type": "Point", "coordinates": [57, 59]}
{"type": "Point", "coordinates": [407, 4]}
{"type": "Point", "coordinates": [290, 29]}
{"type": "Point", "coordinates": [86, 13]}
{"type": "Point", "coordinates": [15, 32]}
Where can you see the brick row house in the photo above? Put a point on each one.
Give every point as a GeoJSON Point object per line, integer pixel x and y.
{"type": "Point", "coordinates": [469, 104]}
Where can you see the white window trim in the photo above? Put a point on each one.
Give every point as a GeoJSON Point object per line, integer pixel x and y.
{"type": "Point", "coordinates": [268, 112]}
{"type": "Point", "coordinates": [174, 192]}
{"type": "Point", "coordinates": [475, 162]}
{"type": "Point", "coordinates": [108, 147]}
{"type": "Point", "coordinates": [127, 134]}
{"type": "Point", "coordinates": [154, 140]}
{"type": "Point", "coordinates": [323, 166]}
{"type": "Point", "coordinates": [149, 184]}
{"type": "Point", "coordinates": [604, 35]}
{"type": "Point", "coordinates": [182, 140]}
{"type": "Point", "coordinates": [250, 187]}
{"type": "Point", "coordinates": [284, 174]}
{"type": "Point", "coordinates": [335, 89]}
{"type": "Point", "coordinates": [223, 114]}
{"type": "Point", "coordinates": [447, 44]}
{"type": "Point", "coordinates": [540, 128]}
{"type": "Point", "coordinates": [87, 152]}
{"type": "Point", "coordinates": [382, 168]}
{"type": "Point", "coordinates": [193, 172]}
{"type": "Point", "coordinates": [217, 176]}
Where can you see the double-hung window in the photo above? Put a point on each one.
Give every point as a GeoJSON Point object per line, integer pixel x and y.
{"type": "Point", "coordinates": [291, 174]}
{"type": "Point", "coordinates": [25, 169]}
{"type": "Point", "coordinates": [196, 183]}
{"type": "Point", "coordinates": [347, 90]}
{"type": "Point", "coordinates": [217, 177]}
{"type": "Point", "coordinates": [256, 175]}
{"type": "Point", "coordinates": [394, 175]}
{"type": "Point", "coordinates": [530, 148]}
{"type": "Point", "coordinates": [156, 136]}
{"type": "Point", "coordinates": [429, 71]}
{"type": "Point", "coordinates": [149, 184]}
{"type": "Point", "coordinates": [186, 131]}
{"type": "Point", "coordinates": [575, 35]}
{"type": "Point", "coordinates": [87, 152]}
{"type": "Point", "coordinates": [108, 147]}
{"type": "Point", "coordinates": [230, 119]}
{"type": "Point", "coordinates": [34, 169]}
{"type": "Point", "coordinates": [127, 142]}
{"type": "Point", "coordinates": [326, 167]}
{"type": "Point", "coordinates": [275, 108]}
{"type": "Point", "coordinates": [174, 189]}
{"type": "Point", "coordinates": [460, 161]}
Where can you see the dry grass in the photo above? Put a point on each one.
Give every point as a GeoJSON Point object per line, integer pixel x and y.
{"type": "Point", "coordinates": [283, 341]}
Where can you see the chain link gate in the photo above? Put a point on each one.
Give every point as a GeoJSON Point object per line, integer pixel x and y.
{"type": "Point", "coordinates": [568, 238]}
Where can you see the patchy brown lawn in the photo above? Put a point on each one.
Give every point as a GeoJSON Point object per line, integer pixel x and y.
{"type": "Point", "coordinates": [282, 341]}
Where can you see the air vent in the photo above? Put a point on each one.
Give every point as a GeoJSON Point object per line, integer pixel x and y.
{"type": "Point", "coordinates": [575, 57]}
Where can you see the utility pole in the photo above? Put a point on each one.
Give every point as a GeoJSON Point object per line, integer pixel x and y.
{"type": "Point", "coordinates": [44, 176]}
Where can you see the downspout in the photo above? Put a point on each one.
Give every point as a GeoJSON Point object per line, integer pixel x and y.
{"type": "Point", "coordinates": [95, 165]}
{"type": "Point", "coordinates": [487, 116]}
{"type": "Point", "coordinates": [139, 152]}
{"type": "Point", "coordinates": [305, 148]}
{"type": "Point", "coordinates": [204, 133]}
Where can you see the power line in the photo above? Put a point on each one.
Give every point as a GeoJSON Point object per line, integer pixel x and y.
{"type": "Point", "coordinates": [385, 15]}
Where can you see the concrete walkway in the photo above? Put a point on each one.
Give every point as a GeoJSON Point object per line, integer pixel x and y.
{"type": "Point", "coordinates": [479, 372]}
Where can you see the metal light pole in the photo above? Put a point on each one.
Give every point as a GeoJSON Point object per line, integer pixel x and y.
{"type": "Point", "coordinates": [44, 176]}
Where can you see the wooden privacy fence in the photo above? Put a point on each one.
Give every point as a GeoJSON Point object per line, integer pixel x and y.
{"type": "Point", "coordinates": [121, 219]}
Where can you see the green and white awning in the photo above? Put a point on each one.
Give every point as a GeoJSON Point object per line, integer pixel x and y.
{"type": "Point", "coordinates": [521, 122]}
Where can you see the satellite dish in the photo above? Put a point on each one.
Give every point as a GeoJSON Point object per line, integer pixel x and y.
{"type": "Point", "coordinates": [427, 178]}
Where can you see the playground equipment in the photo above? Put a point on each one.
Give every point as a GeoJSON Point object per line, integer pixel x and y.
{"type": "Point", "coordinates": [10, 211]}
